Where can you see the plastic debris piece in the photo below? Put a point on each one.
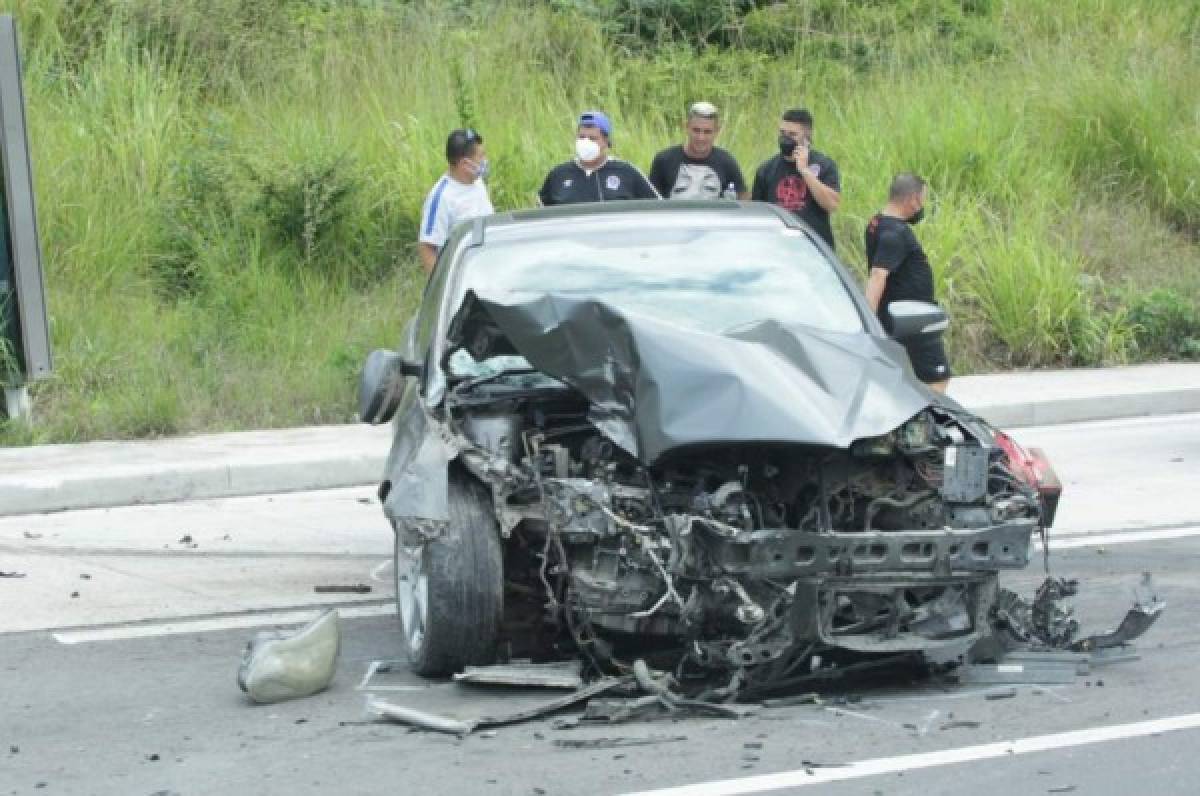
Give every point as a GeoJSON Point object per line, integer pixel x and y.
{"type": "Point", "coordinates": [350, 588]}
{"type": "Point", "coordinates": [1001, 693]}
{"type": "Point", "coordinates": [1144, 613]}
{"type": "Point", "coordinates": [1107, 655]}
{"type": "Point", "coordinates": [811, 698]}
{"type": "Point", "coordinates": [279, 665]}
{"type": "Point", "coordinates": [559, 674]}
{"type": "Point", "coordinates": [615, 743]}
{"type": "Point", "coordinates": [1030, 672]}
{"type": "Point", "coordinates": [419, 718]}
{"type": "Point", "coordinates": [431, 721]}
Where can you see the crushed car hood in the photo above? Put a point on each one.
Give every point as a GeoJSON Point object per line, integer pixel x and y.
{"type": "Point", "coordinates": [656, 387]}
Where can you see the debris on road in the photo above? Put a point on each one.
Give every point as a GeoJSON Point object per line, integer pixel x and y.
{"type": "Point", "coordinates": [1006, 693]}
{"type": "Point", "coordinates": [1103, 657]}
{"type": "Point", "coordinates": [279, 665]}
{"type": "Point", "coordinates": [810, 698]}
{"type": "Point", "coordinates": [1027, 673]}
{"type": "Point", "coordinates": [419, 718]}
{"type": "Point", "coordinates": [11, 574]}
{"type": "Point", "coordinates": [1036, 642]}
{"type": "Point", "coordinates": [352, 588]}
{"type": "Point", "coordinates": [557, 674]}
{"type": "Point", "coordinates": [1046, 623]}
{"type": "Point", "coordinates": [32, 535]}
{"type": "Point", "coordinates": [430, 721]}
{"type": "Point", "coordinates": [615, 743]}
{"type": "Point", "coordinates": [1145, 611]}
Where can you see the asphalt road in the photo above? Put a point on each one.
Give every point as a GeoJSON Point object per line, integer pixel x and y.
{"type": "Point", "coordinates": [128, 687]}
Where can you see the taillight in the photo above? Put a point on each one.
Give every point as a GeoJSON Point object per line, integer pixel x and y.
{"type": "Point", "coordinates": [1020, 462]}
{"type": "Point", "coordinates": [1033, 468]}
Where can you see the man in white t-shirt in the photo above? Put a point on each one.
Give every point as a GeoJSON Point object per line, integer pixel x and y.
{"type": "Point", "coordinates": [459, 194]}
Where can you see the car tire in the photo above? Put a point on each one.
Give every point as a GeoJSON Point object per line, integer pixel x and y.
{"type": "Point", "coordinates": [450, 590]}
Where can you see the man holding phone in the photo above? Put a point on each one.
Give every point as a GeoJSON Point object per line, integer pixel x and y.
{"type": "Point", "coordinates": [800, 179]}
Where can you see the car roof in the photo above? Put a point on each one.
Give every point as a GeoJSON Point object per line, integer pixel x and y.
{"type": "Point", "coordinates": [652, 211]}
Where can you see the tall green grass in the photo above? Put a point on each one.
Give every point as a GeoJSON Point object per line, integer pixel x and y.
{"type": "Point", "coordinates": [229, 190]}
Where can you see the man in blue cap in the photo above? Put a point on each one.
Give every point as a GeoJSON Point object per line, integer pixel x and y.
{"type": "Point", "coordinates": [594, 176]}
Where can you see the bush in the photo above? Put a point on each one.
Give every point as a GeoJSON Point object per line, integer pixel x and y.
{"type": "Point", "coordinates": [1166, 325]}
{"type": "Point", "coordinates": [198, 208]}
{"type": "Point", "coordinates": [305, 204]}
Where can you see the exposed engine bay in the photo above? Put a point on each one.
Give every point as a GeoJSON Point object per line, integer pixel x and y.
{"type": "Point", "coordinates": [742, 560]}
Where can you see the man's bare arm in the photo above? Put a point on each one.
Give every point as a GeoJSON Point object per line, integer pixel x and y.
{"type": "Point", "coordinates": [876, 282]}
{"type": "Point", "coordinates": [428, 254]}
{"type": "Point", "coordinates": [826, 197]}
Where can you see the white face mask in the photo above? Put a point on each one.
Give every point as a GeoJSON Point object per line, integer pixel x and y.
{"type": "Point", "coordinates": [586, 149]}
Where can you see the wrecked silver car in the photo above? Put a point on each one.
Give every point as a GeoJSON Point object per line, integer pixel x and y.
{"type": "Point", "coordinates": [676, 432]}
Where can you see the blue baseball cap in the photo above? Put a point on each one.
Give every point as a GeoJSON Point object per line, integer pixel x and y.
{"type": "Point", "coordinates": [597, 119]}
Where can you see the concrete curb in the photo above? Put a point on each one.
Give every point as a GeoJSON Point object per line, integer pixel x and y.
{"type": "Point", "coordinates": [1080, 410]}
{"type": "Point", "coordinates": [105, 474]}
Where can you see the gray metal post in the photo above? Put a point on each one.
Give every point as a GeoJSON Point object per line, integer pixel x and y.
{"type": "Point", "coordinates": [24, 329]}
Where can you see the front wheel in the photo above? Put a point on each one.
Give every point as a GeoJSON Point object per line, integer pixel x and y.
{"type": "Point", "coordinates": [450, 590]}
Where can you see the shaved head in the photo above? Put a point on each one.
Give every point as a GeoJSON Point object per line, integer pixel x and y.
{"type": "Point", "coordinates": [904, 185]}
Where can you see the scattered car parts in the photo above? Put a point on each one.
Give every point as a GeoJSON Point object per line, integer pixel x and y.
{"type": "Point", "coordinates": [279, 665]}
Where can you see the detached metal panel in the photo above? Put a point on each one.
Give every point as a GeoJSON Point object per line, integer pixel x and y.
{"type": "Point", "coordinates": [22, 212]}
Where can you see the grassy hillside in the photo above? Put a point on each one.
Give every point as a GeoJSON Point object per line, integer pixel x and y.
{"type": "Point", "coordinates": [229, 189]}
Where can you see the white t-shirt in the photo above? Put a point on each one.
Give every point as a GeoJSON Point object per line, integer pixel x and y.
{"type": "Point", "coordinates": [449, 202]}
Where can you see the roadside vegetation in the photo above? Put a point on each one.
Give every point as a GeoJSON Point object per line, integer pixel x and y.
{"type": "Point", "coordinates": [229, 190]}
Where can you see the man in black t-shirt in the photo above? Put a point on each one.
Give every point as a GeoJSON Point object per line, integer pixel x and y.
{"type": "Point", "coordinates": [800, 179]}
{"type": "Point", "coordinates": [698, 169]}
{"type": "Point", "coordinates": [594, 176]}
{"type": "Point", "coordinates": [899, 271]}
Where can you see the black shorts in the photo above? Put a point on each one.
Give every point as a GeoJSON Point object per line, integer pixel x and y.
{"type": "Point", "coordinates": [928, 358]}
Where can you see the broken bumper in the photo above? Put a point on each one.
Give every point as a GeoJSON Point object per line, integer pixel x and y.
{"type": "Point", "coordinates": [786, 554]}
{"type": "Point", "coordinates": [830, 611]}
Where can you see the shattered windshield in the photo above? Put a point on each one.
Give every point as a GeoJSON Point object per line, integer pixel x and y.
{"type": "Point", "coordinates": [711, 279]}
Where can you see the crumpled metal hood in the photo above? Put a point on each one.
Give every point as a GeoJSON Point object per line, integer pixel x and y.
{"type": "Point", "coordinates": [656, 387]}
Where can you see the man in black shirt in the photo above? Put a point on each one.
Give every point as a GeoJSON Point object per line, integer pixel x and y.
{"type": "Point", "coordinates": [799, 178]}
{"type": "Point", "coordinates": [698, 169]}
{"type": "Point", "coordinates": [594, 176]}
{"type": "Point", "coordinates": [899, 271]}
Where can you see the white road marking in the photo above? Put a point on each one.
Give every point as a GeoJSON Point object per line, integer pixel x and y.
{"type": "Point", "coordinates": [944, 757]}
{"type": "Point", "coordinates": [175, 626]}
{"type": "Point", "coordinates": [1127, 537]}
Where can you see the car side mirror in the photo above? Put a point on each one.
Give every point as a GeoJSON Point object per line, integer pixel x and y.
{"type": "Point", "coordinates": [381, 384]}
{"type": "Point", "coordinates": [915, 318]}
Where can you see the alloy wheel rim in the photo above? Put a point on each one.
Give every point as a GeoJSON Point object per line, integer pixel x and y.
{"type": "Point", "coordinates": [412, 592]}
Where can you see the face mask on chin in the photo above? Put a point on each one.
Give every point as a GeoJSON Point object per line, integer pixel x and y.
{"type": "Point", "coordinates": [916, 217]}
{"type": "Point", "coordinates": [586, 149]}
